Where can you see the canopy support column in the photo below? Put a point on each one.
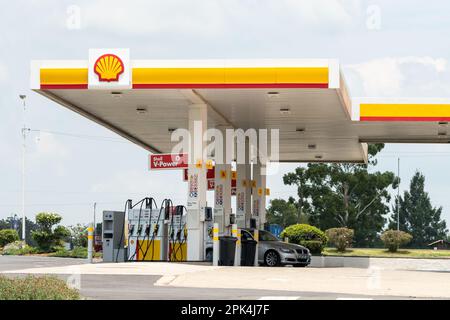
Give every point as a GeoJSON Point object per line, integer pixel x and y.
{"type": "Point", "coordinates": [197, 184]}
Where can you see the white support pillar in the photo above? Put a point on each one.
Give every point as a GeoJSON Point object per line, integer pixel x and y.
{"type": "Point", "coordinates": [243, 191]}
{"type": "Point", "coordinates": [256, 237]}
{"type": "Point", "coordinates": [222, 190]}
{"type": "Point", "coordinates": [197, 184]}
{"type": "Point", "coordinates": [262, 209]}
{"type": "Point", "coordinates": [256, 194]}
{"type": "Point", "coordinates": [259, 195]}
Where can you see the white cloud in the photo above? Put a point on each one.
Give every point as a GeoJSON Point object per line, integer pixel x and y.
{"type": "Point", "coordinates": [389, 76]}
{"type": "Point", "coordinates": [44, 150]}
{"type": "Point", "coordinates": [3, 73]}
{"type": "Point", "coordinates": [213, 17]}
{"type": "Point", "coordinates": [150, 17]}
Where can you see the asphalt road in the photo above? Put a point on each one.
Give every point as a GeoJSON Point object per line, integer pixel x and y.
{"type": "Point", "coordinates": [134, 287]}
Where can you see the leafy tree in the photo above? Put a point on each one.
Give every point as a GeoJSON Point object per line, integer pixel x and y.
{"type": "Point", "coordinates": [345, 195]}
{"type": "Point", "coordinates": [29, 227]}
{"type": "Point", "coordinates": [283, 213]}
{"type": "Point", "coordinates": [78, 235]}
{"type": "Point", "coordinates": [417, 215]}
{"type": "Point", "coordinates": [48, 237]}
{"type": "Point", "coordinates": [300, 178]}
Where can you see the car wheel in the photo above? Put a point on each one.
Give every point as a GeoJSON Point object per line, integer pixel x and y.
{"type": "Point", "coordinates": [271, 258]}
{"type": "Point", "coordinates": [209, 255]}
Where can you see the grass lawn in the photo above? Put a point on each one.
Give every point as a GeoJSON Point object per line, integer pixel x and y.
{"type": "Point", "coordinates": [383, 253]}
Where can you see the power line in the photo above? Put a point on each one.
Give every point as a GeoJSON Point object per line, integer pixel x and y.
{"type": "Point", "coordinates": [81, 136]}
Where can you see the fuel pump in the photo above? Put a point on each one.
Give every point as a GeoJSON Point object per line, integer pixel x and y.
{"type": "Point", "coordinates": [177, 234]}
{"type": "Point", "coordinates": [147, 232]}
{"type": "Point", "coordinates": [208, 226]}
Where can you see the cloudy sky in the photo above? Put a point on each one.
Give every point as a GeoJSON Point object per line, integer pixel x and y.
{"type": "Point", "coordinates": [387, 48]}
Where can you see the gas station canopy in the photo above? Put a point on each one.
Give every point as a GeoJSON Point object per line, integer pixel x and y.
{"type": "Point", "coordinates": [307, 100]}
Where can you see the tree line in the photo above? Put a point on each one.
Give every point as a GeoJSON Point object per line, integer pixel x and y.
{"type": "Point", "coordinates": [356, 197]}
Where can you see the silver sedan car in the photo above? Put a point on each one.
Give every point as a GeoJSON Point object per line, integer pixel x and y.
{"type": "Point", "coordinates": [274, 252]}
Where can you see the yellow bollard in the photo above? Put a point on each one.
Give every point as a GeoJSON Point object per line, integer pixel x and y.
{"type": "Point", "coordinates": [90, 242]}
{"type": "Point", "coordinates": [216, 244]}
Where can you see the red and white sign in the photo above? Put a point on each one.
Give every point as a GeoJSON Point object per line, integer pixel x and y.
{"type": "Point", "coordinates": [168, 161]}
{"type": "Point", "coordinates": [210, 174]}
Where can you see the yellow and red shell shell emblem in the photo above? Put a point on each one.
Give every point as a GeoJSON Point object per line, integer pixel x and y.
{"type": "Point", "coordinates": [108, 67]}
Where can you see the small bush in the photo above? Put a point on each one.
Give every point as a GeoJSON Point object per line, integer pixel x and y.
{"type": "Point", "coordinates": [341, 238]}
{"type": "Point", "coordinates": [393, 239]}
{"type": "Point", "coordinates": [77, 252]}
{"type": "Point", "coordinates": [315, 247]}
{"type": "Point", "coordinates": [305, 235]}
{"type": "Point", "coordinates": [36, 288]}
{"type": "Point", "coordinates": [18, 248]}
{"type": "Point", "coordinates": [8, 236]}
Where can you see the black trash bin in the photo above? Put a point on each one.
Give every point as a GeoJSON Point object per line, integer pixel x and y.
{"type": "Point", "coordinates": [227, 250]}
{"type": "Point", "coordinates": [248, 250]}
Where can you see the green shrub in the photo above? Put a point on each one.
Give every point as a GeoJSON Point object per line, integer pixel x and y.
{"type": "Point", "coordinates": [341, 238]}
{"type": "Point", "coordinates": [47, 238]}
{"type": "Point", "coordinates": [8, 236]}
{"type": "Point", "coordinates": [393, 239]}
{"type": "Point", "coordinates": [308, 236]}
{"type": "Point", "coordinates": [315, 247]}
{"type": "Point", "coordinates": [18, 248]}
{"type": "Point", "coordinates": [36, 288]}
{"type": "Point", "coordinates": [77, 252]}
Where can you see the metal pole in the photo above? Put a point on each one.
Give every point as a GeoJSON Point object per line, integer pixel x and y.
{"type": "Point", "coordinates": [398, 195]}
{"type": "Point", "coordinates": [95, 225]}
{"type": "Point", "coordinates": [23, 97]}
{"type": "Point", "coordinates": [90, 242]}
{"type": "Point", "coordinates": [216, 244]}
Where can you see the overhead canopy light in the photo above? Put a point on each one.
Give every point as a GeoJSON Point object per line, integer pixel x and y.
{"type": "Point", "coordinates": [141, 110]}
{"type": "Point", "coordinates": [312, 146]}
{"type": "Point", "coordinates": [318, 157]}
{"type": "Point", "coordinates": [116, 94]}
{"type": "Point", "coordinates": [285, 111]}
{"type": "Point", "coordinates": [273, 94]}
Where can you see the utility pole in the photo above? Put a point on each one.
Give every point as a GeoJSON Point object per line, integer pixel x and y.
{"type": "Point", "coordinates": [24, 129]}
{"type": "Point", "coordinates": [398, 195]}
{"type": "Point", "coordinates": [95, 225]}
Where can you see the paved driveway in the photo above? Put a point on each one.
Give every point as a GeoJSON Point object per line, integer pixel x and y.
{"type": "Point", "coordinates": [159, 280]}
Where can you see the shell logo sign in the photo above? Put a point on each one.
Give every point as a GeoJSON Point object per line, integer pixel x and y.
{"type": "Point", "coordinates": [109, 67]}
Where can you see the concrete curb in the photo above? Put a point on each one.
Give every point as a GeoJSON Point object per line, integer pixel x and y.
{"type": "Point", "coordinates": [442, 265]}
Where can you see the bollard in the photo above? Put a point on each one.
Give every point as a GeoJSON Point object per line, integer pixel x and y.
{"type": "Point", "coordinates": [216, 244]}
{"type": "Point", "coordinates": [90, 242]}
{"type": "Point", "coordinates": [256, 237]}
{"type": "Point", "coordinates": [236, 233]}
